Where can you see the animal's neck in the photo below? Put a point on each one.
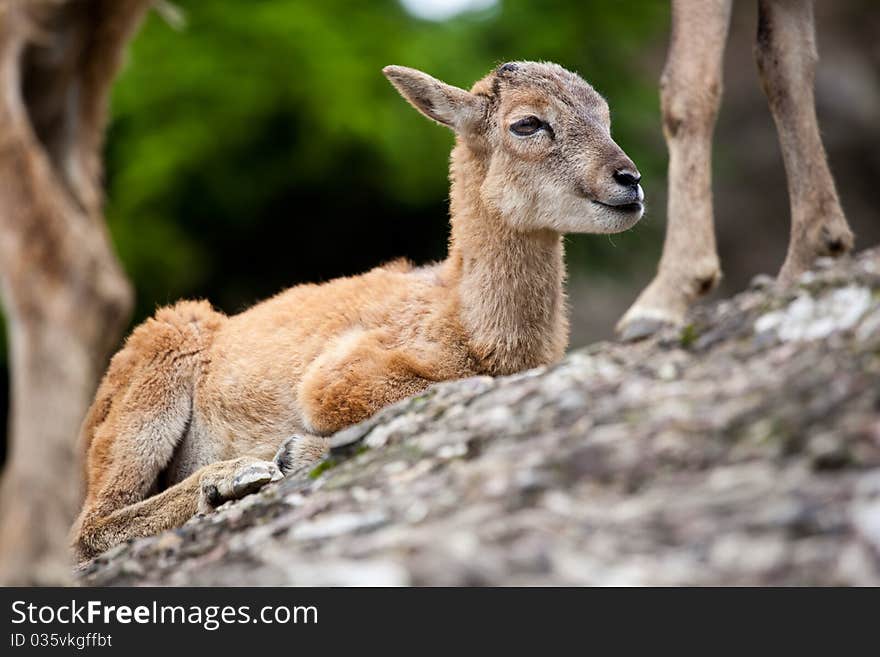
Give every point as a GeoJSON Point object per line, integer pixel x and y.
{"type": "Point", "coordinates": [510, 284]}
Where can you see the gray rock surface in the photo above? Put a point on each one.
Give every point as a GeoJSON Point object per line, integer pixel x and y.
{"type": "Point", "coordinates": [742, 449]}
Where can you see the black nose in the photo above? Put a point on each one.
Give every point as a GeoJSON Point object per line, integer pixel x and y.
{"type": "Point", "coordinates": [627, 178]}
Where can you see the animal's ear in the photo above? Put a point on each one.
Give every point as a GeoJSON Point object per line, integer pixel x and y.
{"type": "Point", "coordinates": [453, 107]}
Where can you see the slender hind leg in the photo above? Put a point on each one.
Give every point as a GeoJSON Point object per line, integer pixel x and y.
{"type": "Point", "coordinates": [201, 492]}
{"type": "Point", "coordinates": [690, 93]}
{"type": "Point", "coordinates": [785, 51]}
{"type": "Point", "coordinates": [140, 415]}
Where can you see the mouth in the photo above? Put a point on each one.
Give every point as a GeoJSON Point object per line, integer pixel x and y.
{"type": "Point", "coordinates": [624, 208]}
{"type": "Point", "coordinates": [625, 204]}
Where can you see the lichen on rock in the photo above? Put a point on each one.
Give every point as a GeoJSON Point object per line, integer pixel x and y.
{"type": "Point", "coordinates": [744, 449]}
{"type": "Point", "coordinates": [810, 318]}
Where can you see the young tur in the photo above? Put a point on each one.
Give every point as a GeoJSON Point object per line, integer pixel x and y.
{"type": "Point", "coordinates": [194, 406]}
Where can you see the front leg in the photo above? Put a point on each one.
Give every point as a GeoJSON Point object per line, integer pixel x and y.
{"type": "Point", "coordinates": [301, 452]}
{"type": "Point", "coordinates": [356, 376]}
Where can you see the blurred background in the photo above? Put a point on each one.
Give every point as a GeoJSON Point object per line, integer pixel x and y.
{"type": "Point", "coordinates": [258, 146]}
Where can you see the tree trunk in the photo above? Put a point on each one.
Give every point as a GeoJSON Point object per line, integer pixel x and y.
{"type": "Point", "coordinates": [64, 294]}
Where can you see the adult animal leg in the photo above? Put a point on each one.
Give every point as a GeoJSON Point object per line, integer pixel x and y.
{"type": "Point", "coordinates": [690, 93]}
{"type": "Point", "coordinates": [785, 51]}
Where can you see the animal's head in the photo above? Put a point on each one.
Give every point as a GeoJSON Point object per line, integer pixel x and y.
{"type": "Point", "coordinates": [544, 136]}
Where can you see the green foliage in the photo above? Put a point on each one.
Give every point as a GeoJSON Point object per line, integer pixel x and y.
{"type": "Point", "coordinates": [261, 119]}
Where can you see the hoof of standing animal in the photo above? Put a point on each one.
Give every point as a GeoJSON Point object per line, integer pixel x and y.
{"type": "Point", "coordinates": [641, 328]}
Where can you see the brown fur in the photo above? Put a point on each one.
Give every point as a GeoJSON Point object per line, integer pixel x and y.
{"type": "Point", "coordinates": [690, 97]}
{"type": "Point", "coordinates": [196, 402]}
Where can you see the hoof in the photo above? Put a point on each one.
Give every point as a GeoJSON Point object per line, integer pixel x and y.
{"type": "Point", "coordinates": [664, 304]}
{"type": "Point", "coordinates": [641, 329]}
{"type": "Point", "coordinates": [232, 480]}
{"type": "Point", "coordinates": [254, 478]}
{"type": "Point", "coordinates": [285, 457]}
{"type": "Point", "coordinates": [298, 453]}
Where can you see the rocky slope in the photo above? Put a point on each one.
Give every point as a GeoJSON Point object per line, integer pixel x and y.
{"type": "Point", "coordinates": [743, 449]}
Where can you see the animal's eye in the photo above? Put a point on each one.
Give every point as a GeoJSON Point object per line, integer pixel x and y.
{"type": "Point", "coordinates": [527, 126]}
